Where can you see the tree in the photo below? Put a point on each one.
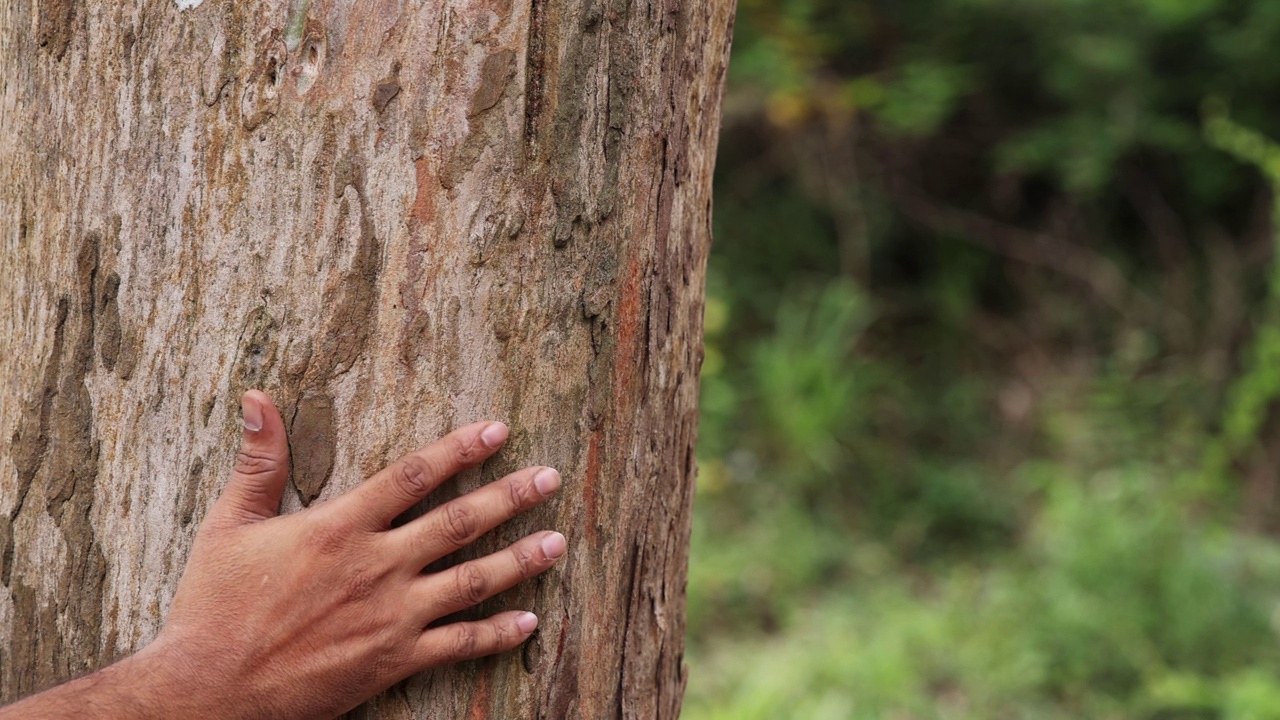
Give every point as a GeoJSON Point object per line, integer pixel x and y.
{"type": "Point", "coordinates": [396, 218]}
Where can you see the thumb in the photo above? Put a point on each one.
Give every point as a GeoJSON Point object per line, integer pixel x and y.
{"type": "Point", "coordinates": [262, 465]}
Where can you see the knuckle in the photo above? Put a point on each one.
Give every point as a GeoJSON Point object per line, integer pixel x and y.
{"type": "Point", "coordinates": [471, 585]}
{"type": "Point", "coordinates": [518, 494]}
{"type": "Point", "coordinates": [252, 462]}
{"type": "Point", "coordinates": [502, 636]}
{"type": "Point", "coordinates": [465, 640]}
{"type": "Point", "coordinates": [413, 476]}
{"type": "Point", "coordinates": [459, 523]}
{"type": "Point", "coordinates": [463, 449]}
{"type": "Point", "coordinates": [526, 561]}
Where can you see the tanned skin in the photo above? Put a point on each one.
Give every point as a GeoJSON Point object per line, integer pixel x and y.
{"type": "Point", "coordinates": [307, 615]}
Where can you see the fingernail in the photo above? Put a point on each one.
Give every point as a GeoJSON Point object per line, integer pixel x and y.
{"type": "Point", "coordinates": [494, 435]}
{"type": "Point", "coordinates": [553, 545]}
{"type": "Point", "coordinates": [250, 414]}
{"type": "Point", "coordinates": [546, 481]}
{"type": "Point", "coordinates": [527, 622]}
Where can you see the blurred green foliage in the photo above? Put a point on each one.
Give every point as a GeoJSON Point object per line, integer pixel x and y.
{"type": "Point", "coordinates": [989, 420]}
{"type": "Point", "coordinates": [1093, 617]}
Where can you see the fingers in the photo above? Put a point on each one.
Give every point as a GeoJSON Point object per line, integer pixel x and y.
{"type": "Point", "coordinates": [262, 465]}
{"type": "Point", "coordinates": [470, 640]}
{"type": "Point", "coordinates": [462, 586]}
{"type": "Point", "coordinates": [459, 522]}
{"type": "Point", "coordinates": [399, 487]}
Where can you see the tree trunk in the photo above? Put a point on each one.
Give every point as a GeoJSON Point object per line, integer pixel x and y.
{"type": "Point", "coordinates": [396, 217]}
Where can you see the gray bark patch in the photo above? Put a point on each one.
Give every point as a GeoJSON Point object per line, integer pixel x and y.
{"type": "Point", "coordinates": [495, 76]}
{"type": "Point", "coordinates": [385, 92]}
{"type": "Point", "coordinates": [109, 335]}
{"type": "Point", "coordinates": [312, 440]}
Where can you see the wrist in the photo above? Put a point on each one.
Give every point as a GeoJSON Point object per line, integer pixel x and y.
{"type": "Point", "coordinates": [151, 684]}
{"type": "Point", "coordinates": [170, 683]}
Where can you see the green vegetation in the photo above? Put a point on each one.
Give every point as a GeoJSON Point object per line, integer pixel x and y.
{"type": "Point", "coordinates": [991, 403]}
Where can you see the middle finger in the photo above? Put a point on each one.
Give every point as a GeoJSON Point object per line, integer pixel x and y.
{"type": "Point", "coordinates": [459, 522]}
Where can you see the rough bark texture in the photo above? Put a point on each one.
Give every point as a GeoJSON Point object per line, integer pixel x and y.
{"type": "Point", "coordinates": [396, 217]}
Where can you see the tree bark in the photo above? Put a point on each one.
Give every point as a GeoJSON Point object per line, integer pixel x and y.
{"type": "Point", "coordinates": [396, 217]}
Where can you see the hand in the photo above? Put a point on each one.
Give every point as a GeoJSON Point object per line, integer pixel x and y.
{"type": "Point", "coordinates": [307, 615]}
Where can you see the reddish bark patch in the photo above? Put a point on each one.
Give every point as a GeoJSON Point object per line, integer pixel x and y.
{"type": "Point", "coordinates": [214, 151]}
{"type": "Point", "coordinates": [501, 8]}
{"type": "Point", "coordinates": [424, 204]}
{"type": "Point", "coordinates": [479, 708]}
{"type": "Point", "coordinates": [422, 214]}
{"type": "Point", "coordinates": [631, 320]}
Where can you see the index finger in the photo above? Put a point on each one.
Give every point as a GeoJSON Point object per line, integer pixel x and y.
{"type": "Point", "coordinates": [401, 485]}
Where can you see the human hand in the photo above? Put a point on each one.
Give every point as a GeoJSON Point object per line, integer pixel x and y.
{"type": "Point", "coordinates": [309, 614]}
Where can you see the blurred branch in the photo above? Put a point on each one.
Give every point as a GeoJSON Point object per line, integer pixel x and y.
{"type": "Point", "coordinates": [1036, 249]}
{"type": "Point", "coordinates": [844, 194]}
{"type": "Point", "coordinates": [825, 162]}
{"type": "Point", "coordinates": [1172, 247]}
{"type": "Point", "coordinates": [1160, 219]}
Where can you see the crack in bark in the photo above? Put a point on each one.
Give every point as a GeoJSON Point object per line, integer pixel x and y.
{"type": "Point", "coordinates": [535, 71]}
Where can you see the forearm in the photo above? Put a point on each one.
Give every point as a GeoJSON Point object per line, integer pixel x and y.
{"type": "Point", "coordinates": [144, 686]}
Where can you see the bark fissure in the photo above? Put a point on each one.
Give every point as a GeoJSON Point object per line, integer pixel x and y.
{"type": "Point", "coordinates": [535, 73]}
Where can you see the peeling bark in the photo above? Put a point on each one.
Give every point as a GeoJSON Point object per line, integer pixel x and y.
{"type": "Point", "coordinates": [396, 218]}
